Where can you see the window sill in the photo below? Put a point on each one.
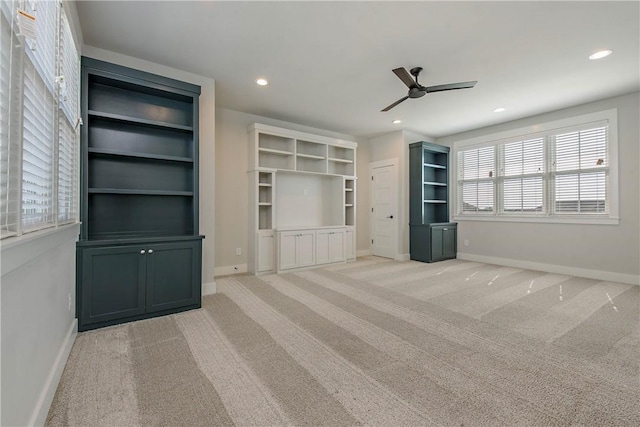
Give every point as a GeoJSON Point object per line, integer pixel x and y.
{"type": "Point", "coordinates": [18, 251]}
{"type": "Point", "coordinates": [541, 219]}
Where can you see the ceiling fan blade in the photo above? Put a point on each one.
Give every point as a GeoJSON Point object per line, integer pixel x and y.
{"type": "Point", "coordinates": [406, 78]}
{"type": "Point", "coordinates": [395, 103]}
{"type": "Point", "coordinates": [451, 86]}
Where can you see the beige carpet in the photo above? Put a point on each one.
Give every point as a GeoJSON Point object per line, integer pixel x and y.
{"type": "Point", "coordinates": [374, 342]}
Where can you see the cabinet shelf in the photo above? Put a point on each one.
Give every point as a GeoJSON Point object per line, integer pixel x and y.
{"type": "Point", "coordinates": [442, 184]}
{"type": "Point", "coordinates": [337, 160]}
{"type": "Point", "coordinates": [264, 184]}
{"type": "Point", "coordinates": [136, 120]}
{"type": "Point", "coordinates": [264, 204]}
{"type": "Point", "coordinates": [435, 201]}
{"type": "Point", "coordinates": [108, 152]}
{"type": "Point", "coordinates": [311, 156]}
{"type": "Point", "coordinates": [276, 152]}
{"type": "Point", "coordinates": [139, 192]}
{"type": "Point", "coordinates": [348, 205]}
{"type": "Point", "coordinates": [432, 165]}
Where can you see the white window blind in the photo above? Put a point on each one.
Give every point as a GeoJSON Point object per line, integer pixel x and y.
{"type": "Point", "coordinates": [10, 103]}
{"type": "Point", "coordinates": [521, 182]}
{"type": "Point", "coordinates": [37, 151]}
{"type": "Point", "coordinates": [39, 82]}
{"type": "Point", "coordinates": [69, 84]}
{"type": "Point", "coordinates": [476, 180]}
{"type": "Point", "coordinates": [562, 172]}
{"type": "Point", "coordinates": [581, 171]}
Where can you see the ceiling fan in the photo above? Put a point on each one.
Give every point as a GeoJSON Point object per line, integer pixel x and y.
{"type": "Point", "coordinates": [416, 90]}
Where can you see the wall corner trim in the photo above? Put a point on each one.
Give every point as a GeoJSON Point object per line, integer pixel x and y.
{"type": "Point", "coordinates": [209, 288]}
{"type": "Point", "coordinates": [41, 410]}
{"type": "Point", "coordinates": [610, 276]}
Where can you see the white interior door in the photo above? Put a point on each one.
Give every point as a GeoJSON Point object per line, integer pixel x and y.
{"type": "Point", "coordinates": [384, 210]}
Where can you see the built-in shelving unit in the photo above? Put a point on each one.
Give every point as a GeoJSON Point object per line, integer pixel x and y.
{"type": "Point", "coordinates": [432, 236]}
{"type": "Point", "coordinates": [303, 182]}
{"type": "Point", "coordinates": [139, 196]}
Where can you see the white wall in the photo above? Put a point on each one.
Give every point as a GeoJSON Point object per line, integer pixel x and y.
{"type": "Point", "coordinates": [206, 146]}
{"type": "Point", "coordinates": [37, 294]}
{"type": "Point", "coordinates": [232, 202]}
{"type": "Point", "coordinates": [601, 251]}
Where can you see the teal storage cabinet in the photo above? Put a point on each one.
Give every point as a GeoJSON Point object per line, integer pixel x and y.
{"type": "Point", "coordinates": [432, 236]}
{"type": "Point", "coordinates": [139, 252]}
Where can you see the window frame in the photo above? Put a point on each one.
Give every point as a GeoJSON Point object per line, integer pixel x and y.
{"type": "Point", "coordinates": [535, 131]}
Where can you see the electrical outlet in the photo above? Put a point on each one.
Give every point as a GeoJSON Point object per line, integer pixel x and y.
{"type": "Point", "coordinates": [466, 242]}
{"type": "Point", "coordinates": [238, 251]}
{"type": "Point", "coordinates": [69, 300]}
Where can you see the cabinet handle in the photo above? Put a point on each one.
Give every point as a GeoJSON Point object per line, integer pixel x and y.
{"type": "Point", "coordinates": [142, 252]}
{"type": "Point", "coordinates": [150, 251]}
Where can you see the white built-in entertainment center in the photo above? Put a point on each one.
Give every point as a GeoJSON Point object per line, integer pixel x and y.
{"type": "Point", "coordinates": [302, 192]}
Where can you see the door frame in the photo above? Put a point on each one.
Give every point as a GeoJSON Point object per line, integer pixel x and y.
{"type": "Point", "coordinates": [374, 165]}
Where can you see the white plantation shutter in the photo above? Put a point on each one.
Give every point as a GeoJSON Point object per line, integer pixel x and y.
{"type": "Point", "coordinates": [69, 72]}
{"type": "Point", "coordinates": [67, 134]}
{"type": "Point", "coordinates": [10, 134]}
{"type": "Point", "coordinates": [476, 177]}
{"type": "Point", "coordinates": [580, 169]}
{"type": "Point", "coordinates": [562, 173]}
{"type": "Point", "coordinates": [37, 152]}
{"type": "Point", "coordinates": [39, 127]}
{"type": "Point", "coordinates": [522, 176]}
{"type": "Point", "coordinates": [39, 84]}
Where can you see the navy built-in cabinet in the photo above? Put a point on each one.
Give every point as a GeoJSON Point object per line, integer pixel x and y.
{"type": "Point", "coordinates": [432, 236]}
{"type": "Point", "coordinates": [139, 252]}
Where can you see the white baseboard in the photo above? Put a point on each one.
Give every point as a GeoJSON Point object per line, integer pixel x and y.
{"type": "Point", "coordinates": [209, 288]}
{"type": "Point", "coordinates": [609, 276]}
{"type": "Point", "coordinates": [230, 269]}
{"type": "Point", "coordinates": [364, 252]}
{"type": "Point", "coordinates": [403, 257]}
{"type": "Point", "coordinates": [40, 412]}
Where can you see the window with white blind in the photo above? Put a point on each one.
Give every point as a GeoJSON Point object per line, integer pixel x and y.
{"type": "Point", "coordinates": [39, 105]}
{"type": "Point", "coordinates": [565, 171]}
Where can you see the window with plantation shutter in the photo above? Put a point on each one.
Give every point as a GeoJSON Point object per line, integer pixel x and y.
{"type": "Point", "coordinates": [580, 171]}
{"type": "Point", "coordinates": [476, 180]}
{"type": "Point", "coordinates": [69, 84]}
{"type": "Point", "coordinates": [10, 133]}
{"type": "Point", "coordinates": [566, 171]}
{"type": "Point", "coordinates": [522, 177]}
{"type": "Point", "coordinates": [39, 84]}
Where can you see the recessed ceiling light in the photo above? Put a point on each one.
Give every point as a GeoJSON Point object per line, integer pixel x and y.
{"type": "Point", "coordinates": [262, 82]}
{"type": "Point", "coordinates": [601, 54]}
{"type": "Point", "coordinates": [499, 110]}
{"type": "Point", "coordinates": [396, 121]}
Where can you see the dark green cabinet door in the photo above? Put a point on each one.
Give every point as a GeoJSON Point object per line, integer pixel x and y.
{"type": "Point", "coordinates": [436, 243]}
{"type": "Point", "coordinates": [173, 275]}
{"type": "Point", "coordinates": [449, 240]}
{"type": "Point", "coordinates": [113, 283]}
{"type": "Point", "coordinates": [443, 242]}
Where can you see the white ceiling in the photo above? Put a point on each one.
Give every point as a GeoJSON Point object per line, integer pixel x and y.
{"type": "Point", "coordinates": [329, 63]}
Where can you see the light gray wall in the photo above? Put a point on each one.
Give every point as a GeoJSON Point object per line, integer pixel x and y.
{"type": "Point", "coordinates": [38, 278]}
{"type": "Point", "coordinates": [206, 146]}
{"type": "Point", "coordinates": [606, 248]}
{"type": "Point", "coordinates": [232, 163]}
{"type": "Point", "coordinates": [395, 145]}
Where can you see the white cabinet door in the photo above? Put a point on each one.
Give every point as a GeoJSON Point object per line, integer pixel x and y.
{"type": "Point", "coordinates": [306, 248]}
{"type": "Point", "coordinates": [349, 244]}
{"type": "Point", "coordinates": [322, 247]}
{"type": "Point", "coordinates": [336, 246]}
{"type": "Point", "coordinates": [287, 248]}
{"type": "Point", "coordinates": [265, 252]}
